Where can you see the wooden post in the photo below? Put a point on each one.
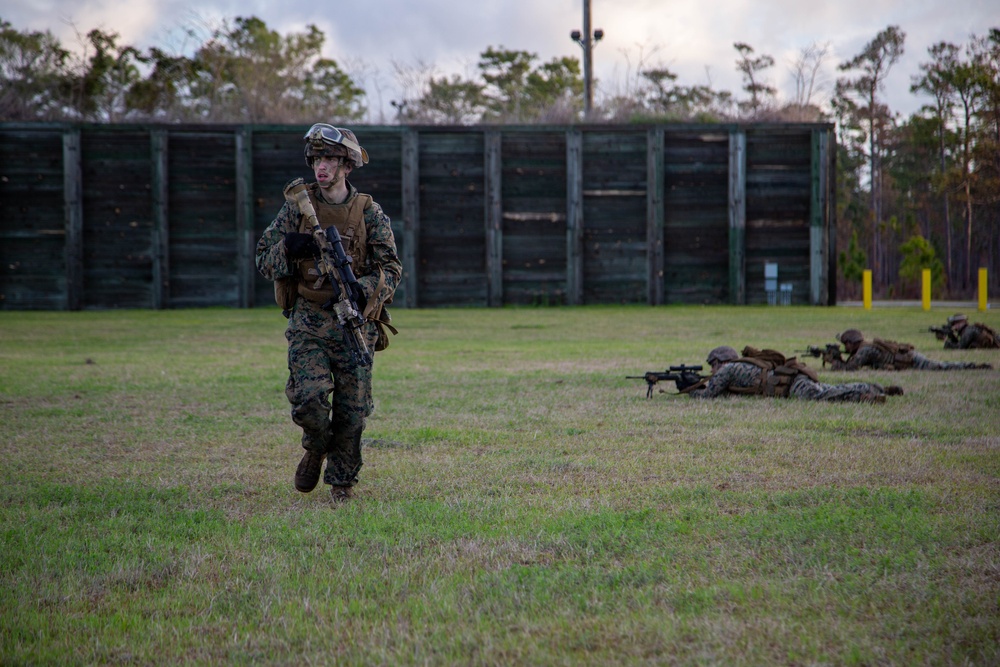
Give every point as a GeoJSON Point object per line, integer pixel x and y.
{"type": "Point", "coordinates": [574, 217]}
{"type": "Point", "coordinates": [818, 249]}
{"type": "Point", "coordinates": [411, 216]}
{"type": "Point", "coordinates": [73, 201]}
{"type": "Point", "coordinates": [866, 289]}
{"type": "Point", "coordinates": [161, 221]}
{"type": "Point", "coordinates": [925, 289]}
{"type": "Point", "coordinates": [654, 215]}
{"type": "Point", "coordinates": [983, 286]}
{"type": "Point", "coordinates": [830, 220]}
{"type": "Point", "coordinates": [246, 267]}
{"type": "Point", "coordinates": [737, 216]}
{"type": "Point", "coordinates": [494, 218]}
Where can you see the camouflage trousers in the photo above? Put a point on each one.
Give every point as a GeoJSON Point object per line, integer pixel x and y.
{"type": "Point", "coordinates": [857, 392]}
{"type": "Point", "coordinates": [922, 363]}
{"type": "Point", "coordinates": [330, 393]}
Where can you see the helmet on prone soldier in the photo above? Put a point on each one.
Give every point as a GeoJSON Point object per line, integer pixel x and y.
{"type": "Point", "coordinates": [721, 355]}
{"type": "Point", "coordinates": [957, 318]}
{"type": "Point", "coordinates": [325, 140]}
{"type": "Point", "coordinates": [850, 336]}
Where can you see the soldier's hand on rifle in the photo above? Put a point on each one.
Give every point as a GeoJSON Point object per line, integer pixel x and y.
{"type": "Point", "coordinates": [359, 297]}
{"type": "Point", "coordinates": [832, 353]}
{"type": "Point", "coordinates": [687, 380]}
{"type": "Point", "coordinates": [300, 246]}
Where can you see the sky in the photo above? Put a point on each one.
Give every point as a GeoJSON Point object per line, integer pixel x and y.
{"type": "Point", "coordinates": [383, 44]}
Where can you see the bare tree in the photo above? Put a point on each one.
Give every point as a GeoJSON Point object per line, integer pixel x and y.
{"type": "Point", "coordinates": [935, 81]}
{"type": "Point", "coordinates": [413, 83]}
{"type": "Point", "coordinates": [761, 93]}
{"type": "Point", "coordinates": [874, 62]}
{"type": "Point", "coordinates": [807, 73]}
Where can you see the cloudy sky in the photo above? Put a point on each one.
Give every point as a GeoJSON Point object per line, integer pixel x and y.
{"type": "Point", "coordinates": [375, 39]}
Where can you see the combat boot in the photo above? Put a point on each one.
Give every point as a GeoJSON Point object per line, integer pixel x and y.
{"type": "Point", "coordinates": [307, 474]}
{"type": "Point", "coordinates": [893, 390]}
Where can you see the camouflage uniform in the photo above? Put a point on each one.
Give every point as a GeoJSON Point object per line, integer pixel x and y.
{"type": "Point", "coordinates": [742, 377]}
{"type": "Point", "coordinates": [973, 336]}
{"type": "Point", "coordinates": [870, 355]}
{"type": "Point", "coordinates": [330, 393]}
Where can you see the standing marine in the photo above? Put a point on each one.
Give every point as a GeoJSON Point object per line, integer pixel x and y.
{"type": "Point", "coordinates": [329, 389]}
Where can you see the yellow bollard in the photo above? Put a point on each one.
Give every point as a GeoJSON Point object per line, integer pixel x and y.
{"type": "Point", "coordinates": [982, 290]}
{"type": "Point", "coordinates": [926, 275]}
{"type": "Point", "coordinates": [867, 287]}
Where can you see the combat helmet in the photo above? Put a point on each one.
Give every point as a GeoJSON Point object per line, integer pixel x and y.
{"type": "Point", "coordinates": [957, 318]}
{"type": "Point", "coordinates": [721, 355]}
{"type": "Point", "coordinates": [324, 139]}
{"type": "Point", "coordinates": [850, 336]}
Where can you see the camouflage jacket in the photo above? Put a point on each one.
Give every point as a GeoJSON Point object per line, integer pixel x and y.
{"type": "Point", "coordinates": [878, 356]}
{"type": "Point", "coordinates": [273, 263]}
{"type": "Point", "coordinates": [740, 377]}
{"type": "Point", "coordinates": [974, 336]}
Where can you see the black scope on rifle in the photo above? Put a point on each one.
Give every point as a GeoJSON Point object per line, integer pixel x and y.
{"type": "Point", "coordinates": [685, 368]}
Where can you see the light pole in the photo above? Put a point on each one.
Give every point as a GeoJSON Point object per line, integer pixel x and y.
{"type": "Point", "coordinates": [587, 41]}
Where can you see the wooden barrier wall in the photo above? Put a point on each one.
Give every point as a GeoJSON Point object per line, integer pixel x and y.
{"type": "Point", "coordinates": [129, 216]}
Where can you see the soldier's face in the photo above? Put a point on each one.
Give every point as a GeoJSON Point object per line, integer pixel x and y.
{"type": "Point", "coordinates": [330, 171]}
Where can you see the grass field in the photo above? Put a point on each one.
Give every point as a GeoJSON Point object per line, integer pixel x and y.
{"type": "Point", "coordinates": [521, 501]}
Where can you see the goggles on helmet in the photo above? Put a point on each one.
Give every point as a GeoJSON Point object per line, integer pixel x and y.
{"type": "Point", "coordinates": [324, 133]}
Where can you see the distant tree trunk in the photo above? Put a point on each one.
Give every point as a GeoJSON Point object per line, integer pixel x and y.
{"type": "Point", "coordinates": [949, 272]}
{"type": "Point", "coordinates": [968, 231]}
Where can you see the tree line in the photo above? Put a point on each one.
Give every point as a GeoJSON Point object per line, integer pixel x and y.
{"type": "Point", "coordinates": [913, 193]}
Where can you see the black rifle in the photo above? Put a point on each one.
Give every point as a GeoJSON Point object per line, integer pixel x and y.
{"type": "Point", "coordinates": [942, 332]}
{"type": "Point", "coordinates": [335, 265]}
{"type": "Point", "coordinates": [683, 376]}
{"type": "Point", "coordinates": [829, 353]}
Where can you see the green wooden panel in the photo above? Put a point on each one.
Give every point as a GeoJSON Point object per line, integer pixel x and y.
{"type": "Point", "coordinates": [32, 221]}
{"type": "Point", "coordinates": [119, 229]}
{"type": "Point", "coordinates": [201, 240]}
{"type": "Point", "coordinates": [452, 209]}
{"type": "Point", "coordinates": [203, 220]}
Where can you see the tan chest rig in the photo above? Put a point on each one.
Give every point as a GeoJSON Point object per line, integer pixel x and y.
{"type": "Point", "coordinates": [349, 219]}
{"type": "Point", "coordinates": [777, 372]}
{"type": "Point", "coordinates": [902, 353]}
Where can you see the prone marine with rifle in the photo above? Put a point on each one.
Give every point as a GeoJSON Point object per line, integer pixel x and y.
{"type": "Point", "coordinates": [959, 334]}
{"type": "Point", "coordinates": [888, 355]}
{"type": "Point", "coordinates": [769, 373]}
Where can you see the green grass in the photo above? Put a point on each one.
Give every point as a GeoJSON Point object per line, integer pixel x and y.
{"type": "Point", "coordinates": [521, 501]}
